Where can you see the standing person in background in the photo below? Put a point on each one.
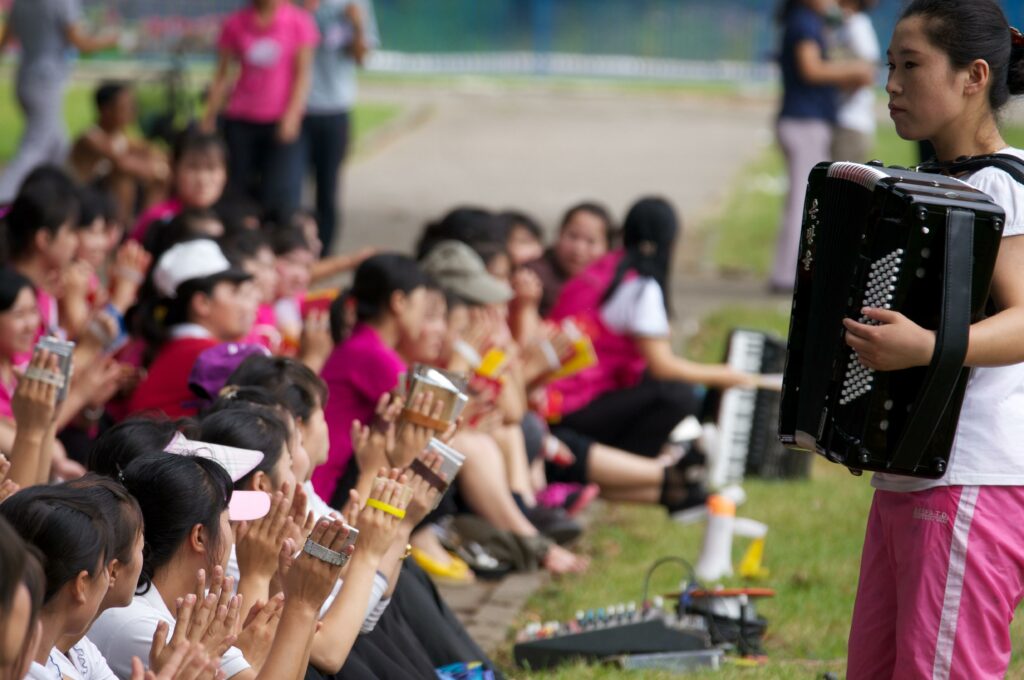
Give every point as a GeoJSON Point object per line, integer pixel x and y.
{"type": "Point", "coordinates": [854, 134]}
{"type": "Point", "coordinates": [348, 30]}
{"type": "Point", "coordinates": [809, 103]}
{"type": "Point", "coordinates": [48, 30]}
{"type": "Point", "coordinates": [265, 54]}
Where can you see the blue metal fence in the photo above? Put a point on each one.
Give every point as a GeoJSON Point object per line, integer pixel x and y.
{"type": "Point", "coordinates": [698, 30]}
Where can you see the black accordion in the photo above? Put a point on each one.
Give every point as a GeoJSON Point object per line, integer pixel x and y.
{"type": "Point", "coordinates": [748, 445]}
{"type": "Point", "coordinates": [922, 244]}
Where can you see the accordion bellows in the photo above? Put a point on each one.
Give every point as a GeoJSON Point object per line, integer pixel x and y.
{"type": "Point", "coordinates": [921, 244]}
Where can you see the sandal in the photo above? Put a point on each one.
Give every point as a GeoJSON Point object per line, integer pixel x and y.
{"type": "Point", "coordinates": [455, 572]}
{"type": "Point", "coordinates": [483, 564]}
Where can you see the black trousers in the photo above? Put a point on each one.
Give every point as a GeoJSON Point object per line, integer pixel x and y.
{"type": "Point", "coordinates": [261, 167]}
{"type": "Point", "coordinates": [325, 140]}
{"type": "Point", "coordinates": [638, 419]}
{"type": "Point", "coordinates": [417, 633]}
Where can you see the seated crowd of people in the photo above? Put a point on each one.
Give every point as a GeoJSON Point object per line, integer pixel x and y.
{"type": "Point", "coordinates": [225, 477]}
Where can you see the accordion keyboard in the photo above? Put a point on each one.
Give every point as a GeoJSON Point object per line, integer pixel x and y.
{"type": "Point", "coordinates": [878, 293]}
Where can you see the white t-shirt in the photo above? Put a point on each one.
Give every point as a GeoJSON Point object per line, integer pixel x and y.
{"type": "Point", "coordinates": [637, 309]}
{"type": "Point", "coordinates": [990, 433]}
{"type": "Point", "coordinates": [83, 662]}
{"type": "Point", "coordinates": [124, 632]}
{"type": "Point", "coordinates": [318, 505]}
{"type": "Point", "coordinates": [47, 672]}
{"type": "Point", "coordinates": [856, 39]}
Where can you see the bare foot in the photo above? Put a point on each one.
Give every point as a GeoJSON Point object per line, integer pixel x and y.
{"type": "Point", "coordinates": [558, 560]}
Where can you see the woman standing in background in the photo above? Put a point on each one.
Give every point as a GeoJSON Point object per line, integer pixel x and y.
{"type": "Point", "coordinates": [263, 73]}
{"type": "Point", "coordinates": [348, 30]}
{"type": "Point", "coordinates": [810, 97]}
{"type": "Point", "coordinates": [854, 134]}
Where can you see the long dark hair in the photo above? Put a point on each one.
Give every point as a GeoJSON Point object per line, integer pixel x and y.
{"type": "Point", "coordinates": [154, 316]}
{"type": "Point", "coordinates": [648, 237]}
{"type": "Point", "coordinates": [379, 277]}
{"type": "Point", "coordinates": [119, 507]}
{"type": "Point", "coordinates": [246, 425]}
{"type": "Point", "coordinates": [116, 448]}
{"type": "Point", "coordinates": [66, 527]}
{"type": "Point", "coordinates": [296, 387]}
{"type": "Point", "coordinates": [175, 493]}
{"type": "Point", "coordinates": [975, 29]}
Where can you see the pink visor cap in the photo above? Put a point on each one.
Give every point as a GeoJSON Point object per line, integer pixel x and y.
{"type": "Point", "coordinates": [244, 505]}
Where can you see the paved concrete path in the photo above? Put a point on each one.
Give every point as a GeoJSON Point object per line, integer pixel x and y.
{"type": "Point", "coordinates": [540, 150]}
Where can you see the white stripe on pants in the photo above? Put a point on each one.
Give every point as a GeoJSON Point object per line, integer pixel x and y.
{"type": "Point", "coordinates": [804, 142]}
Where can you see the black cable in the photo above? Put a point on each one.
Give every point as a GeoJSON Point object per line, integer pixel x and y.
{"type": "Point", "coordinates": [665, 560]}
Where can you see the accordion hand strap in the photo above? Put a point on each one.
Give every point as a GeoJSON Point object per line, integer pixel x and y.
{"type": "Point", "coordinates": [950, 342]}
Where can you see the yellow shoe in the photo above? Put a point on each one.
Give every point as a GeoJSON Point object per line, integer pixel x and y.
{"type": "Point", "coordinates": [456, 571]}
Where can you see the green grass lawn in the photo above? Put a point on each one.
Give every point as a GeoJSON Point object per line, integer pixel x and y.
{"type": "Point", "coordinates": [742, 237]}
{"type": "Point", "coordinates": [78, 112]}
{"type": "Point", "coordinates": [816, 530]}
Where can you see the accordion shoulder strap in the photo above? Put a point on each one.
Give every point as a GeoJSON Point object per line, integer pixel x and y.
{"type": "Point", "coordinates": [1010, 164]}
{"type": "Point", "coordinates": [950, 341]}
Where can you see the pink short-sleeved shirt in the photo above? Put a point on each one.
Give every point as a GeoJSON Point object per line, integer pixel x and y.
{"type": "Point", "coordinates": [7, 393]}
{"type": "Point", "coordinates": [267, 56]}
{"type": "Point", "coordinates": [357, 373]}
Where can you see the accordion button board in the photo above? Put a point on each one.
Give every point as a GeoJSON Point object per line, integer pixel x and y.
{"type": "Point", "coordinates": [918, 243]}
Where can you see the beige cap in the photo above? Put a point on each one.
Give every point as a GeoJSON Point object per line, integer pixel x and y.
{"type": "Point", "coordinates": [458, 269]}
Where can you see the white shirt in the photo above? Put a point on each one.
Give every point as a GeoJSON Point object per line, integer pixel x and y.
{"type": "Point", "coordinates": [318, 505]}
{"type": "Point", "coordinates": [83, 662]}
{"type": "Point", "coordinates": [990, 433]}
{"type": "Point", "coordinates": [637, 309]}
{"type": "Point", "coordinates": [857, 39]}
{"type": "Point", "coordinates": [124, 632]}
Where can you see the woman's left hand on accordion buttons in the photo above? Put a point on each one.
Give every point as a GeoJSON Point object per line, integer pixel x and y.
{"type": "Point", "coordinates": [894, 343]}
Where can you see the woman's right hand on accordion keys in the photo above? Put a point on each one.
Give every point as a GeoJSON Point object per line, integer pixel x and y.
{"type": "Point", "coordinates": [995, 341]}
{"type": "Point", "coordinates": [893, 344]}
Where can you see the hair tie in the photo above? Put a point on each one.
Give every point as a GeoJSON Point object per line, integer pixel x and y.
{"type": "Point", "coordinates": [1016, 37]}
{"type": "Point", "coordinates": [228, 392]}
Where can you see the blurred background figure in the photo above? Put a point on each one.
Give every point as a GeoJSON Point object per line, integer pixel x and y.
{"type": "Point", "coordinates": [265, 52]}
{"type": "Point", "coordinates": [810, 102]}
{"type": "Point", "coordinates": [134, 172]}
{"type": "Point", "coordinates": [48, 31]}
{"type": "Point", "coordinates": [854, 134]}
{"type": "Point", "coordinates": [348, 31]}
